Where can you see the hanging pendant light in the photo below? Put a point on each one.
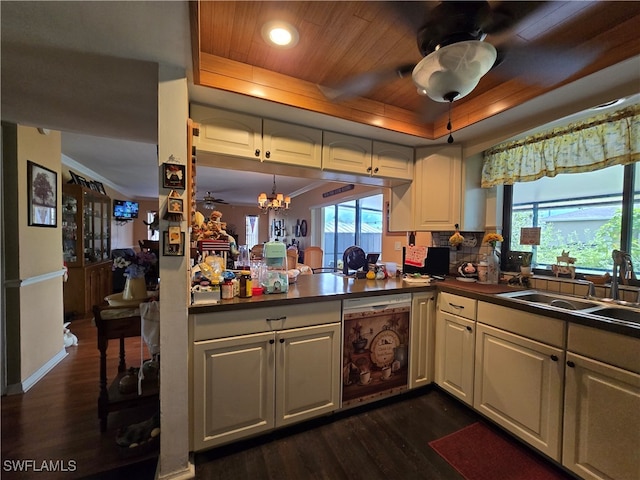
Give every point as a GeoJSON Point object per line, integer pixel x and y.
{"type": "Point", "coordinates": [275, 202]}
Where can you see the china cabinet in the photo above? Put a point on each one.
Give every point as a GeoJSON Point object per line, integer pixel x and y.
{"type": "Point", "coordinates": [86, 244]}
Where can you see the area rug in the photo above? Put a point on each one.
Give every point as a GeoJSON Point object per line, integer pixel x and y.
{"type": "Point", "coordinates": [479, 453]}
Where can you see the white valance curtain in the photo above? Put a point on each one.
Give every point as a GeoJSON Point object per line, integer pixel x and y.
{"type": "Point", "coordinates": [598, 142]}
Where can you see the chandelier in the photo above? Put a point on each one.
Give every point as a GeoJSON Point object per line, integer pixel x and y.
{"type": "Point", "coordinates": [275, 201]}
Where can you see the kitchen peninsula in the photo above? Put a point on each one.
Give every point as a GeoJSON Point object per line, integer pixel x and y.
{"type": "Point", "coordinates": [265, 362]}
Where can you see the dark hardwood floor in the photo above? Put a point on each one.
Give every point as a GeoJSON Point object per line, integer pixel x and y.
{"type": "Point", "coordinates": [57, 420]}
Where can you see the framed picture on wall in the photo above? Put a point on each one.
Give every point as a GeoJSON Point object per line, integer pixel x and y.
{"type": "Point", "coordinates": [172, 249]}
{"type": "Point", "coordinates": [173, 176]}
{"type": "Point", "coordinates": [42, 188]}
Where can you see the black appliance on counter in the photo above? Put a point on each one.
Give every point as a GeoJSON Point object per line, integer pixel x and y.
{"type": "Point", "coordinates": [356, 262]}
{"type": "Point", "coordinates": [437, 262]}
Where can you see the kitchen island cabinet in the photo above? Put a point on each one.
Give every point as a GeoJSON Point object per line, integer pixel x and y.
{"type": "Point", "coordinates": [602, 405]}
{"type": "Point", "coordinates": [270, 367]}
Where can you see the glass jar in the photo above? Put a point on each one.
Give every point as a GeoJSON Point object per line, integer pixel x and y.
{"type": "Point", "coordinates": [245, 284]}
{"type": "Point", "coordinates": [227, 290]}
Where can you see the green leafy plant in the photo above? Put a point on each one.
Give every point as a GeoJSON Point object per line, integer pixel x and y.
{"type": "Point", "coordinates": [526, 259]}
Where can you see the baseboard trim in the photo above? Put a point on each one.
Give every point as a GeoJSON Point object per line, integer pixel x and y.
{"type": "Point", "coordinates": [23, 387]}
{"type": "Point", "coordinates": [186, 474]}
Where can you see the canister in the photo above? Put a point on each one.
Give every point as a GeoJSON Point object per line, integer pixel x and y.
{"type": "Point", "coordinates": [227, 290]}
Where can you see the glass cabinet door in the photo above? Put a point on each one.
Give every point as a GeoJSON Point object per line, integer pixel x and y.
{"type": "Point", "coordinates": [71, 247]}
{"type": "Point", "coordinates": [86, 226]}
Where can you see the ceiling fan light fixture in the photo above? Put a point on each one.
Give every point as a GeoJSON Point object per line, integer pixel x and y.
{"type": "Point", "coordinates": [454, 68]}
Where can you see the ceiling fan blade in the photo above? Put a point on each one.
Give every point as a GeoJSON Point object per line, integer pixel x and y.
{"type": "Point", "coordinates": [506, 15]}
{"type": "Point", "coordinates": [363, 83]}
{"type": "Point", "coordinates": [543, 65]}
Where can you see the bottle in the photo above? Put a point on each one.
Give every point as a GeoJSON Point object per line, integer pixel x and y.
{"type": "Point", "coordinates": [245, 284]}
{"type": "Point", "coordinates": [483, 269]}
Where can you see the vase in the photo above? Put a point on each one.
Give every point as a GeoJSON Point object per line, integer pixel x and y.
{"type": "Point", "coordinates": [493, 267]}
{"type": "Point", "coordinates": [135, 288]}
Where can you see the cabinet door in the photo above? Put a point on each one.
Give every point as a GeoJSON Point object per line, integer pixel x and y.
{"type": "Point", "coordinates": [232, 388]}
{"type": "Point", "coordinates": [228, 133]}
{"type": "Point", "coordinates": [307, 373]}
{"type": "Point", "coordinates": [423, 335]}
{"type": "Point", "coordinates": [291, 144]}
{"type": "Point", "coordinates": [518, 384]}
{"type": "Point", "coordinates": [392, 161]}
{"type": "Point", "coordinates": [601, 420]}
{"type": "Point", "coordinates": [344, 153]}
{"type": "Point", "coordinates": [438, 185]}
{"type": "Point", "coordinates": [455, 338]}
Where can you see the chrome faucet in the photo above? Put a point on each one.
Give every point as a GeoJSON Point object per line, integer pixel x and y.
{"type": "Point", "coordinates": [623, 261]}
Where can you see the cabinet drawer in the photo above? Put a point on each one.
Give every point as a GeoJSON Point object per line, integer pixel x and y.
{"type": "Point", "coordinates": [457, 305]}
{"type": "Point", "coordinates": [242, 322]}
{"type": "Point", "coordinates": [538, 327]}
{"type": "Point", "coordinates": [613, 348]}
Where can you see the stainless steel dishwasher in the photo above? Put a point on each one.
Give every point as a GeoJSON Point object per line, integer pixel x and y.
{"type": "Point", "coordinates": [375, 350]}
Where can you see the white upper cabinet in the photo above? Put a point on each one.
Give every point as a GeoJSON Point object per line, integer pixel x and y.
{"type": "Point", "coordinates": [344, 153]}
{"type": "Point", "coordinates": [392, 161]}
{"type": "Point", "coordinates": [291, 144]}
{"type": "Point", "coordinates": [438, 188]}
{"type": "Point", "coordinates": [239, 135]}
{"type": "Point", "coordinates": [228, 133]}
{"type": "Point", "coordinates": [445, 192]}
{"type": "Point", "coordinates": [362, 156]}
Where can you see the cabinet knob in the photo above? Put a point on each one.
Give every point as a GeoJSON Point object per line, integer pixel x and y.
{"type": "Point", "coordinates": [469, 328]}
{"type": "Point", "coordinates": [369, 169]}
{"type": "Point", "coordinates": [267, 154]}
{"type": "Point", "coordinates": [554, 358]}
{"type": "Point", "coordinates": [257, 152]}
{"type": "Point", "coordinates": [571, 364]}
{"type": "Point", "coordinates": [272, 341]}
{"type": "Point", "coordinates": [282, 340]}
{"type": "Point", "coordinates": [375, 170]}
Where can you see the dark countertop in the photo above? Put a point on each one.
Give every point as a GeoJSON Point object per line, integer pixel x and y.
{"type": "Point", "coordinates": [327, 287]}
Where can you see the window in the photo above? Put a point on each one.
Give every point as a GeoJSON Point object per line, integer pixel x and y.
{"type": "Point", "coordinates": [152, 232]}
{"type": "Point", "coordinates": [251, 230]}
{"type": "Point", "coordinates": [586, 214]}
{"type": "Point", "coordinates": [356, 222]}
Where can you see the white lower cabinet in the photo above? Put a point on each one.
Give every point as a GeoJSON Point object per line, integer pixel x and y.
{"type": "Point", "coordinates": [248, 384]}
{"type": "Point", "coordinates": [422, 335]}
{"type": "Point", "coordinates": [518, 384]}
{"type": "Point", "coordinates": [602, 406]}
{"type": "Point", "coordinates": [252, 383]}
{"type": "Point", "coordinates": [455, 338]}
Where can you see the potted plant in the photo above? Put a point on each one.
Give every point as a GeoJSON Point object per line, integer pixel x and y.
{"type": "Point", "coordinates": [525, 266]}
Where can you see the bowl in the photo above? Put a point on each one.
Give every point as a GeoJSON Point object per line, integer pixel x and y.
{"type": "Point", "coordinates": [116, 300]}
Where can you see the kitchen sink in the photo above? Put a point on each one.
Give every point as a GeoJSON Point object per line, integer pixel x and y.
{"type": "Point", "coordinates": [619, 313]}
{"type": "Point", "coordinates": [566, 302]}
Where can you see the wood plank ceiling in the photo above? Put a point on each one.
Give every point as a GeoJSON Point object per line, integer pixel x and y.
{"type": "Point", "coordinates": [339, 40]}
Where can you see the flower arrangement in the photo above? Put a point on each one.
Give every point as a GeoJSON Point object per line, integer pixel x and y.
{"type": "Point", "coordinates": [136, 266]}
{"type": "Point", "coordinates": [492, 239]}
{"type": "Point", "coordinates": [456, 239]}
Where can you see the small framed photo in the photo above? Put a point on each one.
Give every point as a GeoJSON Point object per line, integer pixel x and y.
{"type": "Point", "coordinates": [172, 249]}
{"type": "Point", "coordinates": [173, 176]}
{"type": "Point", "coordinates": [175, 205]}
{"type": "Point", "coordinates": [42, 191]}
{"type": "Point", "coordinates": [174, 235]}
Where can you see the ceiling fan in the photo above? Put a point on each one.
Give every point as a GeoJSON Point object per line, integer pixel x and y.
{"type": "Point", "coordinates": [209, 201]}
{"type": "Point", "coordinates": [451, 39]}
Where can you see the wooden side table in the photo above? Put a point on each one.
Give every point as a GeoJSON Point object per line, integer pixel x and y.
{"type": "Point", "coordinates": [120, 323]}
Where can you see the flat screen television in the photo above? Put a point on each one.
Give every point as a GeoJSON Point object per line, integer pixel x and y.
{"type": "Point", "coordinates": [125, 209]}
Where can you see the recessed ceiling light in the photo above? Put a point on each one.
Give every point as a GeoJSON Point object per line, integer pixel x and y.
{"type": "Point", "coordinates": [280, 34]}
